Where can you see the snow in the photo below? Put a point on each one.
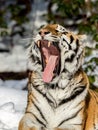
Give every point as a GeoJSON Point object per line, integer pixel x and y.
{"type": "Point", "coordinates": [13, 101]}
{"type": "Point", "coordinates": [16, 84]}
{"type": "Point", "coordinates": [14, 61]}
{"type": "Point", "coordinates": [12, 107]}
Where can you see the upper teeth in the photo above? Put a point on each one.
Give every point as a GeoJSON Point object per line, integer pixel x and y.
{"type": "Point", "coordinates": [38, 43]}
{"type": "Point", "coordinates": [49, 44]}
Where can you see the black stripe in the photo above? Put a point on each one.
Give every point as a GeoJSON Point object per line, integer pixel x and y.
{"type": "Point", "coordinates": [78, 57]}
{"type": "Point", "coordinates": [65, 40]}
{"type": "Point", "coordinates": [76, 50]}
{"type": "Point", "coordinates": [77, 42]}
{"type": "Point", "coordinates": [38, 60]}
{"type": "Point", "coordinates": [48, 99]}
{"type": "Point", "coordinates": [71, 39]}
{"type": "Point", "coordinates": [27, 112]}
{"type": "Point", "coordinates": [80, 80]}
{"type": "Point", "coordinates": [70, 48]}
{"type": "Point", "coordinates": [74, 95]}
{"type": "Point", "coordinates": [35, 46]}
{"type": "Point", "coordinates": [37, 119]}
{"type": "Point", "coordinates": [70, 117]}
{"type": "Point", "coordinates": [77, 46]}
{"type": "Point", "coordinates": [32, 58]}
{"type": "Point", "coordinates": [53, 86]}
{"type": "Point", "coordinates": [65, 33]}
{"type": "Point", "coordinates": [44, 95]}
{"type": "Point", "coordinates": [67, 44]}
{"type": "Point", "coordinates": [64, 70]}
{"type": "Point", "coordinates": [35, 59]}
{"type": "Point", "coordinates": [70, 59]}
{"type": "Point", "coordinates": [79, 88]}
{"type": "Point", "coordinates": [40, 112]}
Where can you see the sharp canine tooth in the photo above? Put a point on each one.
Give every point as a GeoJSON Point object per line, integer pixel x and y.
{"type": "Point", "coordinates": [49, 44]}
{"type": "Point", "coordinates": [46, 61]}
{"type": "Point", "coordinates": [38, 43]}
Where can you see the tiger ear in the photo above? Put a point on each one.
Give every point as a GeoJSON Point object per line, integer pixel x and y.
{"type": "Point", "coordinates": [61, 29]}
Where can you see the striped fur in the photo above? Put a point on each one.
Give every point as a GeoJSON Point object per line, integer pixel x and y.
{"type": "Point", "coordinates": [66, 103]}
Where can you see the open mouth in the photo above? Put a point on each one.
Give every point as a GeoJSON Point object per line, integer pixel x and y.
{"type": "Point", "coordinates": [50, 54]}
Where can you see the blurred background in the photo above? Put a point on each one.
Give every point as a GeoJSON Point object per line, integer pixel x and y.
{"type": "Point", "coordinates": [20, 19]}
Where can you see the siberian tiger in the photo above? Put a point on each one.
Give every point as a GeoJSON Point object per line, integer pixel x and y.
{"type": "Point", "coordinates": [59, 97]}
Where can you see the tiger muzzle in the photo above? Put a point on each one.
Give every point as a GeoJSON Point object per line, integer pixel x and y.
{"type": "Point", "coordinates": [50, 54]}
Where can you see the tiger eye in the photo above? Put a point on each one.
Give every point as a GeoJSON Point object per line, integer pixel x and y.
{"type": "Point", "coordinates": [46, 32]}
{"type": "Point", "coordinates": [56, 31]}
{"type": "Point", "coordinates": [40, 32]}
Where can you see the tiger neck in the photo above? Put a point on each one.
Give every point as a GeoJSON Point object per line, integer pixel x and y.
{"type": "Point", "coordinates": [76, 85]}
{"type": "Point", "coordinates": [57, 94]}
{"type": "Point", "coordinates": [66, 77]}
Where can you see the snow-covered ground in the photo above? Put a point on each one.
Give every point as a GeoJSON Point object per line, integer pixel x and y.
{"type": "Point", "coordinates": [12, 107]}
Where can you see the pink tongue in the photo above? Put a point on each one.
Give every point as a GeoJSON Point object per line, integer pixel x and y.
{"type": "Point", "coordinates": [48, 71]}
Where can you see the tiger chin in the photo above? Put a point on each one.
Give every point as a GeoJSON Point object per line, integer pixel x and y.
{"type": "Point", "coordinates": [59, 97]}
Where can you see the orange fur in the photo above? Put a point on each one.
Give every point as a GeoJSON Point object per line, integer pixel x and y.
{"type": "Point", "coordinates": [23, 125]}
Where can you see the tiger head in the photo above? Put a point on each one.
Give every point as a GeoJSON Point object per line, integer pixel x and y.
{"type": "Point", "coordinates": [56, 53]}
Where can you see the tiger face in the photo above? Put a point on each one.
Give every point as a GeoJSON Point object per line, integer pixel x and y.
{"type": "Point", "coordinates": [56, 53]}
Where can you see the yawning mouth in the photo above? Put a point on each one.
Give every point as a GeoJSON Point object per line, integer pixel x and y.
{"type": "Point", "coordinates": [50, 54]}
